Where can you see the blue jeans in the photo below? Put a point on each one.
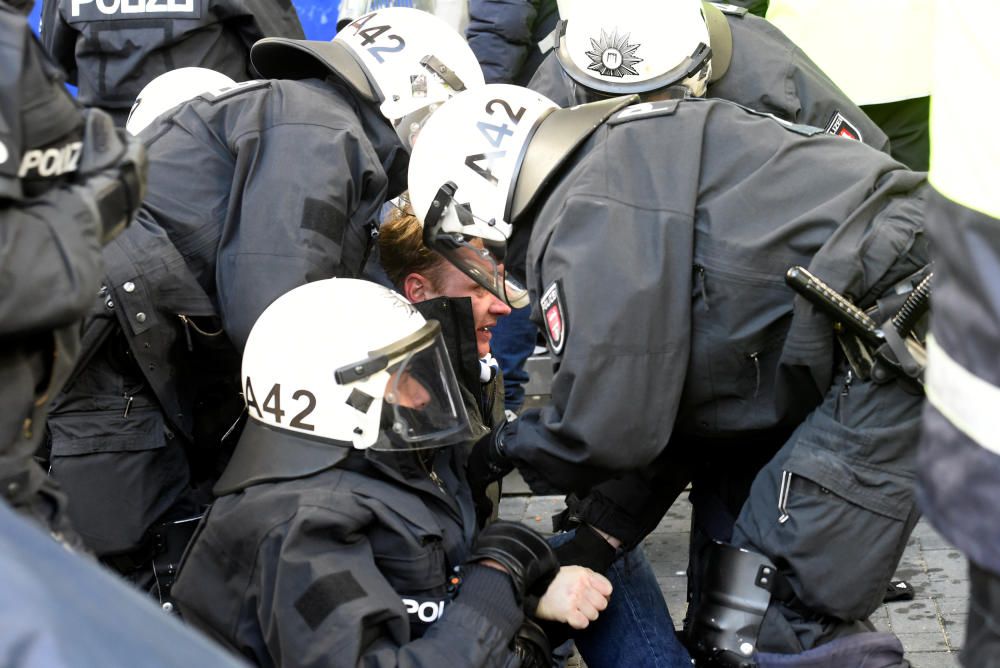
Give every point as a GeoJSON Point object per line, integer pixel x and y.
{"type": "Point", "coordinates": [635, 630]}
{"type": "Point", "coordinates": [513, 342]}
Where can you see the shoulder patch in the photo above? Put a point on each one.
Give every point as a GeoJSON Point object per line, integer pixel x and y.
{"type": "Point", "coordinates": [645, 110]}
{"type": "Point", "coordinates": [841, 127]}
{"type": "Point", "coordinates": [731, 10]}
{"type": "Point", "coordinates": [554, 314]}
{"type": "Point", "coordinates": [326, 595]}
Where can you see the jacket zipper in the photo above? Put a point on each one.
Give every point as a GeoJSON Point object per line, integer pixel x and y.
{"type": "Point", "coordinates": [437, 480]}
{"type": "Point", "coordinates": [755, 356]}
{"type": "Point", "coordinates": [701, 285]}
{"type": "Point", "coordinates": [434, 477]}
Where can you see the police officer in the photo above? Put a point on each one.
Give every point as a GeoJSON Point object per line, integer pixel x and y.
{"type": "Point", "coordinates": [171, 89]}
{"type": "Point", "coordinates": [657, 268]}
{"type": "Point", "coordinates": [68, 183]}
{"type": "Point", "coordinates": [345, 532]}
{"type": "Point", "coordinates": [255, 190]}
{"type": "Point", "coordinates": [603, 49]}
{"type": "Point", "coordinates": [959, 449]}
{"type": "Point", "coordinates": [112, 48]}
{"type": "Point", "coordinates": [641, 47]}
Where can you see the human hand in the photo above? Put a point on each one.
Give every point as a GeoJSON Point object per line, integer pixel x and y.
{"type": "Point", "coordinates": [576, 596]}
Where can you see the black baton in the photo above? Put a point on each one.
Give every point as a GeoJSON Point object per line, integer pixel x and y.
{"type": "Point", "coordinates": [834, 305]}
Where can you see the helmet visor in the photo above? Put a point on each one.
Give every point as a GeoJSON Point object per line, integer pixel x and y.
{"type": "Point", "coordinates": [472, 256]}
{"type": "Point", "coordinates": [422, 406]}
{"type": "Point", "coordinates": [478, 258]}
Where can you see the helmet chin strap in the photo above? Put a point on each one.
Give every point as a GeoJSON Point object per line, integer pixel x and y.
{"type": "Point", "coordinates": [445, 73]}
{"type": "Point", "coordinates": [676, 92]}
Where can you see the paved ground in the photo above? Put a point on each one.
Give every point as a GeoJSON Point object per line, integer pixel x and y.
{"type": "Point", "coordinates": [931, 627]}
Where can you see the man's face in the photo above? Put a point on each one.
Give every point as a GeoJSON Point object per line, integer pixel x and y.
{"type": "Point", "coordinates": [486, 308]}
{"type": "Point", "coordinates": [404, 390]}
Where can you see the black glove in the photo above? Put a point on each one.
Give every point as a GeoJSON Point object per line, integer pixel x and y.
{"type": "Point", "coordinates": [587, 548]}
{"type": "Point", "coordinates": [527, 557]}
{"type": "Point", "coordinates": [488, 462]}
{"type": "Point", "coordinates": [482, 499]}
{"type": "Point", "coordinates": [113, 167]}
{"type": "Point", "coordinates": [531, 645]}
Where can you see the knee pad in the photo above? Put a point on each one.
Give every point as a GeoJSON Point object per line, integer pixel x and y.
{"type": "Point", "coordinates": [736, 592]}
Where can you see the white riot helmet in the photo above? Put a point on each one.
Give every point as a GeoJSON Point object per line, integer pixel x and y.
{"type": "Point", "coordinates": [462, 175]}
{"type": "Point", "coordinates": [170, 89]}
{"type": "Point", "coordinates": [352, 362]}
{"type": "Point", "coordinates": [634, 47]}
{"type": "Point", "coordinates": [405, 60]}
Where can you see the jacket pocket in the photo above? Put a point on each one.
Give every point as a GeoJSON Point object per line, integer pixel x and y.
{"type": "Point", "coordinates": [415, 571]}
{"type": "Point", "coordinates": [121, 473]}
{"type": "Point", "coordinates": [842, 528]}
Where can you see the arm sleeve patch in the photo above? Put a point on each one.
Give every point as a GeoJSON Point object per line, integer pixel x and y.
{"type": "Point", "coordinates": [326, 595]}
{"type": "Point", "coordinates": [324, 218]}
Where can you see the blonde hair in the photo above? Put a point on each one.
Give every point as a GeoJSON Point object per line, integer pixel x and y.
{"type": "Point", "coordinates": [402, 250]}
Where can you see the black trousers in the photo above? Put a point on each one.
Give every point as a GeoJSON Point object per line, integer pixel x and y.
{"type": "Point", "coordinates": [833, 510]}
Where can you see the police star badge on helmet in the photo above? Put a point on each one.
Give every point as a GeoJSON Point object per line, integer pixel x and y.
{"type": "Point", "coordinates": [170, 89]}
{"type": "Point", "coordinates": [404, 60]}
{"type": "Point", "coordinates": [353, 363]}
{"type": "Point", "coordinates": [639, 46]}
{"type": "Point", "coordinates": [462, 176]}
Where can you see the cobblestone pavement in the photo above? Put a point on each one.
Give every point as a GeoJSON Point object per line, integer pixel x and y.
{"type": "Point", "coordinates": [931, 627]}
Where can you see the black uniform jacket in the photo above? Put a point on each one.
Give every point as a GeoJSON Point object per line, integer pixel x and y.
{"type": "Point", "coordinates": [50, 262]}
{"type": "Point", "coordinates": [253, 192]}
{"type": "Point", "coordinates": [112, 48]}
{"type": "Point", "coordinates": [663, 245]}
{"type": "Point", "coordinates": [344, 561]}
